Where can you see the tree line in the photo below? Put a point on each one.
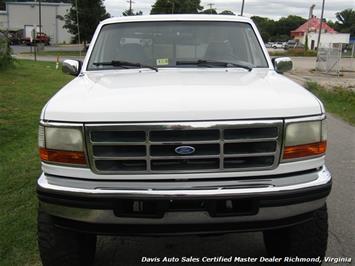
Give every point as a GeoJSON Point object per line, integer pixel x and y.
{"type": "Point", "coordinates": [279, 30]}
{"type": "Point", "coordinates": [91, 12]}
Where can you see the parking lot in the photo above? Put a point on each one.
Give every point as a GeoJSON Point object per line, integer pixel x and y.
{"type": "Point", "coordinates": [304, 71]}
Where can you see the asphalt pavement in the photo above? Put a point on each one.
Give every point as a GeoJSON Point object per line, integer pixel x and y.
{"type": "Point", "coordinates": [128, 251]}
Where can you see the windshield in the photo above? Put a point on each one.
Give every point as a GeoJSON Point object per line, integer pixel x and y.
{"type": "Point", "coordinates": [177, 44]}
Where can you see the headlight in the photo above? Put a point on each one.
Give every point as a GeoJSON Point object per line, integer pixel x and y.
{"type": "Point", "coordinates": [304, 139]}
{"type": "Point", "coordinates": [61, 145]}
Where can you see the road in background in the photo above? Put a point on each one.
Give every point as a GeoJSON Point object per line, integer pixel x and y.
{"type": "Point", "coordinates": [128, 251]}
{"type": "Point", "coordinates": [18, 49]}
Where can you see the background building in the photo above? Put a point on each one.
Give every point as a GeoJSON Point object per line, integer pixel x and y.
{"type": "Point", "coordinates": [22, 15]}
{"type": "Point", "coordinates": [328, 37]}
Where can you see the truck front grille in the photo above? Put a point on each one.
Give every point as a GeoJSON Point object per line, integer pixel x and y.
{"type": "Point", "coordinates": [213, 147]}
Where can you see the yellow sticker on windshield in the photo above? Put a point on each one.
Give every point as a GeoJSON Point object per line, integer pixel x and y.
{"type": "Point", "coordinates": [162, 61]}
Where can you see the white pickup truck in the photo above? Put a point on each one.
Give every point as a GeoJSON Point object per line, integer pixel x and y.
{"type": "Point", "coordinates": [181, 124]}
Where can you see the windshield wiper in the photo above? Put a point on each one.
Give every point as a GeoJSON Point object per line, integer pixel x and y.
{"type": "Point", "coordinates": [124, 64]}
{"type": "Point", "coordinates": [210, 63]}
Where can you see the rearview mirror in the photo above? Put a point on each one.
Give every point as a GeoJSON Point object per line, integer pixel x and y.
{"type": "Point", "coordinates": [71, 67]}
{"type": "Point", "coordinates": [282, 64]}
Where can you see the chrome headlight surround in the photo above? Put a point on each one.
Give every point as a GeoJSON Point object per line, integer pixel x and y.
{"type": "Point", "coordinates": [61, 143]}
{"type": "Point", "coordinates": [304, 138]}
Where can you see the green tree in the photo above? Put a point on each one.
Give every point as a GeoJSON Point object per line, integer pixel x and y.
{"type": "Point", "coordinates": [271, 30]}
{"type": "Point", "coordinates": [285, 25]}
{"type": "Point", "coordinates": [6, 60]}
{"type": "Point", "coordinates": [91, 12]}
{"type": "Point", "coordinates": [209, 11]}
{"type": "Point", "coordinates": [227, 12]}
{"type": "Point", "coordinates": [346, 21]}
{"type": "Point", "coordinates": [131, 12]}
{"type": "Point", "coordinates": [266, 27]}
{"type": "Point", "coordinates": [331, 24]}
{"type": "Point", "coordinates": [2, 5]}
{"type": "Point", "coordinates": [176, 7]}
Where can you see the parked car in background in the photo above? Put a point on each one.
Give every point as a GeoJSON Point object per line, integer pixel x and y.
{"type": "Point", "coordinates": [278, 45]}
{"type": "Point", "coordinates": [181, 124]}
{"type": "Point", "coordinates": [293, 44]}
{"type": "Point", "coordinates": [40, 38]}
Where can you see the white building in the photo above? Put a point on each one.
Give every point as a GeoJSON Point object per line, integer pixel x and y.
{"type": "Point", "coordinates": [18, 15]}
{"type": "Point", "coordinates": [311, 28]}
{"type": "Point", "coordinates": [327, 40]}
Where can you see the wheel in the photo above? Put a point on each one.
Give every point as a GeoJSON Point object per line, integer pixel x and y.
{"type": "Point", "coordinates": [307, 240]}
{"type": "Point", "coordinates": [59, 247]}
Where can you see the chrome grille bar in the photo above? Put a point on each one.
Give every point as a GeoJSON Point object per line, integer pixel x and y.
{"type": "Point", "coordinates": [220, 146]}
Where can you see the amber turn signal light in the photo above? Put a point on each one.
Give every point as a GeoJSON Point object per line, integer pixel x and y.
{"type": "Point", "coordinates": [57, 156]}
{"type": "Point", "coordinates": [312, 149]}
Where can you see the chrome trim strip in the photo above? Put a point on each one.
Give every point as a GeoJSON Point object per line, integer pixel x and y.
{"type": "Point", "coordinates": [216, 156]}
{"type": "Point", "coordinates": [108, 143]}
{"type": "Point", "coordinates": [305, 119]}
{"type": "Point", "coordinates": [187, 125]}
{"type": "Point", "coordinates": [88, 174]}
{"type": "Point", "coordinates": [323, 177]}
{"type": "Point", "coordinates": [60, 124]}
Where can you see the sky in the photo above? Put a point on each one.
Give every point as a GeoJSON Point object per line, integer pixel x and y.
{"type": "Point", "coordinates": [266, 8]}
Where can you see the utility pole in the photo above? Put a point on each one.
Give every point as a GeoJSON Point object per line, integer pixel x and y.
{"type": "Point", "coordinates": [78, 26]}
{"type": "Point", "coordinates": [173, 8]}
{"type": "Point", "coordinates": [130, 7]}
{"type": "Point", "coordinates": [35, 44]}
{"type": "Point", "coordinates": [211, 6]}
{"type": "Point", "coordinates": [309, 18]}
{"type": "Point", "coordinates": [40, 16]}
{"type": "Point", "coordinates": [242, 10]}
{"type": "Point", "coordinates": [320, 24]}
{"type": "Point", "coordinates": [172, 2]}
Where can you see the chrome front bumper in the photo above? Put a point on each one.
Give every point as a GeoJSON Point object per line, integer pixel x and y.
{"type": "Point", "coordinates": [277, 197]}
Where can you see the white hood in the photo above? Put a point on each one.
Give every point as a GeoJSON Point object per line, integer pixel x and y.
{"type": "Point", "coordinates": [180, 95]}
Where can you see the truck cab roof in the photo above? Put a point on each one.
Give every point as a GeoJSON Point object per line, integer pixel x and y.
{"type": "Point", "coordinates": [177, 17]}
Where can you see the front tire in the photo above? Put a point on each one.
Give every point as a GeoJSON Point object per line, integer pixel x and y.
{"type": "Point", "coordinates": [306, 240]}
{"type": "Point", "coordinates": [59, 247]}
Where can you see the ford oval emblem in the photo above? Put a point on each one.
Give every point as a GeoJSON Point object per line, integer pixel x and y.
{"type": "Point", "coordinates": [185, 150]}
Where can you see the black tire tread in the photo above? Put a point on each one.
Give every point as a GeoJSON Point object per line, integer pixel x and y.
{"type": "Point", "coordinates": [306, 240]}
{"type": "Point", "coordinates": [61, 247]}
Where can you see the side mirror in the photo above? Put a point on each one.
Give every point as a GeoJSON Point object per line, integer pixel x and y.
{"type": "Point", "coordinates": [71, 67]}
{"type": "Point", "coordinates": [282, 64]}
